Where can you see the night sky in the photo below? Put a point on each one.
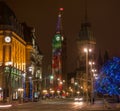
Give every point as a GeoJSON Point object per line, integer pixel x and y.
{"type": "Point", "coordinates": [104, 16]}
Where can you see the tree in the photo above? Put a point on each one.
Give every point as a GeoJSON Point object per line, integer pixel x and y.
{"type": "Point", "coordinates": [109, 78]}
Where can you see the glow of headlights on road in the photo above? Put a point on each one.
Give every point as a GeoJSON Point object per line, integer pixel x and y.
{"type": "Point", "coordinates": [78, 99]}
{"type": "Point", "coordinates": [79, 103]}
{"type": "Point", "coordinates": [5, 106]}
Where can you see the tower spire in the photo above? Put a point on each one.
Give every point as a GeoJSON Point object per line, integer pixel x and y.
{"type": "Point", "coordinates": [59, 21]}
{"type": "Point", "coordinates": [86, 16]}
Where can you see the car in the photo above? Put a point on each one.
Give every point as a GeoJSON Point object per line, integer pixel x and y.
{"type": "Point", "coordinates": [26, 99]}
{"type": "Point", "coordinates": [78, 99]}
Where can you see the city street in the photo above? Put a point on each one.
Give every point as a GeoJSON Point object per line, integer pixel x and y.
{"type": "Point", "coordinates": [45, 105]}
{"type": "Point", "coordinates": [58, 105]}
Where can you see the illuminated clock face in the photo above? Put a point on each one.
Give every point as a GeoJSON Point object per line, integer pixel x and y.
{"type": "Point", "coordinates": [58, 38]}
{"type": "Point", "coordinates": [7, 39]}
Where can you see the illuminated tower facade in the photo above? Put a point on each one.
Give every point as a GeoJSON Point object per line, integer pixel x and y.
{"type": "Point", "coordinates": [59, 55]}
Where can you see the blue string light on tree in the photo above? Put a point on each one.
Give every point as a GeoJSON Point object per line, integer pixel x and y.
{"type": "Point", "coordinates": [109, 78]}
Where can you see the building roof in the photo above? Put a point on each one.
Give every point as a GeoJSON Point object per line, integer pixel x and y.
{"type": "Point", "coordinates": [27, 32]}
{"type": "Point", "coordinates": [85, 32]}
{"type": "Point", "coordinates": [5, 14]}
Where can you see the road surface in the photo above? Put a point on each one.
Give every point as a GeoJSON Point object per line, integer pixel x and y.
{"type": "Point", "coordinates": [54, 105]}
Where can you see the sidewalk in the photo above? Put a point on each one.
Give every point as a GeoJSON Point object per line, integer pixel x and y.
{"type": "Point", "coordinates": [100, 106]}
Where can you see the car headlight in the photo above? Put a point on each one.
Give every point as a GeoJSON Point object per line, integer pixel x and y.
{"type": "Point", "coordinates": [80, 99]}
{"type": "Point", "coordinates": [76, 99]}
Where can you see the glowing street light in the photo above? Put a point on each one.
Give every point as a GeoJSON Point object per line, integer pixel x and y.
{"type": "Point", "coordinates": [78, 92]}
{"type": "Point", "coordinates": [20, 90]}
{"type": "Point", "coordinates": [61, 82]}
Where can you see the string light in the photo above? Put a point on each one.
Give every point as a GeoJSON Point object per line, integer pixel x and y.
{"type": "Point", "coordinates": [109, 78]}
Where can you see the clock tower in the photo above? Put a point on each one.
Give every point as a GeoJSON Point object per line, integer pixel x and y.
{"type": "Point", "coordinates": [59, 56]}
{"type": "Point", "coordinates": [86, 45]}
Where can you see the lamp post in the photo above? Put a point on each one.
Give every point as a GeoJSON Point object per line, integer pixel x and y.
{"type": "Point", "coordinates": [78, 93]}
{"type": "Point", "coordinates": [30, 84]}
{"type": "Point", "coordinates": [52, 92]}
{"type": "Point", "coordinates": [92, 81]}
{"type": "Point", "coordinates": [45, 79]}
{"type": "Point", "coordinates": [87, 50]}
{"type": "Point", "coordinates": [52, 81]}
{"type": "Point", "coordinates": [20, 91]}
{"type": "Point", "coordinates": [75, 87]}
{"type": "Point", "coordinates": [58, 92]}
{"type": "Point", "coordinates": [8, 66]}
{"type": "Point", "coordinates": [45, 82]}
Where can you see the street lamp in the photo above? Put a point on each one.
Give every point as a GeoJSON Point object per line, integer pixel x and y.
{"type": "Point", "coordinates": [30, 83]}
{"type": "Point", "coordinates": [45, 81]}
{"type": "Point", "coordinates": [87, 50]}
{"type": "Point", "coordinates": [1, 94]}
{"type": "Point", "coordinates": [52, 92]}
{"type": "Point", "coordinates": [92, 82]}
{"type": "Point", "coordinates": [8, 68]}
{"type": "Point", "coordinates": [51, 80]}
{"type": "Point", "coordinates": [75, 87]}
{"type": "Point", "coordinates": [58, 92]}
{"type": "Point", "coordinates": [78, 92]}
{"type": "Point", "coordinates": [20, 92]}
{"type": "Point", "coordinates": [91, 63]}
